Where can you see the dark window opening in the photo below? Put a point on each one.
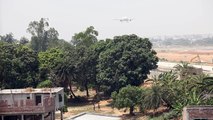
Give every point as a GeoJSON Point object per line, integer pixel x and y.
{"type": "Point", "coordinates": [60, 97]}
{"type": "Point", "coordinates": [38, 99]}
{"type": "Point", "coordinates": [28, 97]}
{"type": "Point", "coordinates": [12, 117]}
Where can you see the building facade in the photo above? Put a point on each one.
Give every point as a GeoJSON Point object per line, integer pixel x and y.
{"type": "Point", "coordinates": [30, 104]}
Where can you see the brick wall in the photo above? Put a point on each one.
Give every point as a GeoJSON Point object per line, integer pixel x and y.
{"type": "Point", "coordinates": [27, 106]}
{"type": "Point", "coordinates": [49, 104]}
{"type": "Point", "coordinates": [198, 112]}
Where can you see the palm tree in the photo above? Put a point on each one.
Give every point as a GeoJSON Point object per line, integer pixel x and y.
{"type": "Point", "coordinates": [153, 98]}
{"type": "Point", "coordinates": [166, 84]}
{"type": "Point", "coordinates": [206, 84]}
{"type": "Point", "coordinates": [65, 72]}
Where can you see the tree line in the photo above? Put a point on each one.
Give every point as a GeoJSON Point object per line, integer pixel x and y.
{"type": "Point", "coordinates": [84, 62]}
{"type": "Point", "coordinates": [206, 41]}
{"type": "Point", "coordinates": [115, 66]}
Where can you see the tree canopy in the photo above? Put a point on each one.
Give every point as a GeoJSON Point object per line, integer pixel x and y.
{"type": "Point", "coordinates": [127, 97]}
{"type": "Point", "coordinates": [42, 35]}
{"type": "Point", "coordinates": [126, 60]}
{"type": "Point", "coordinates": [18, 66]}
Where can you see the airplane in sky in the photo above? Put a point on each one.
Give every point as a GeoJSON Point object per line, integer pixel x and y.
{"type": "Point", "coordinates": [124, 19]}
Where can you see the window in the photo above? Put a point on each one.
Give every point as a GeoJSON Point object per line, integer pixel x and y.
{"type": "Point", "coordinates": [28, 97]}
{"type": "Point", "coordinates": [60, 97]}
{"type": "Point", "coordinates": [38, 99]}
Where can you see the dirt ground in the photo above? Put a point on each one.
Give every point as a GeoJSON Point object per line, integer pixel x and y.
{"type": "Point", "coordinates": [105, 108]}
{"type": "Point", "coordinates": [187, 55]}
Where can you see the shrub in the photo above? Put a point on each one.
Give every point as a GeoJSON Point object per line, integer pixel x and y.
{"type": "Point", "coordinates": [127, 97]}
{"type": "Point", "coordinates": [46, 83]}
{"type": "Point", "coordinates": [79, 99]}
{"type": "Point", "coordinates": [171, 115]}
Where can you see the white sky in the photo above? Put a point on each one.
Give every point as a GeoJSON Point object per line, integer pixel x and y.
{"type": "Point", "coordinates": [151, 17]}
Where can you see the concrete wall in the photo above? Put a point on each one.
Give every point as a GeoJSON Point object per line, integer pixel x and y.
{"type": "Point", "coordinates": [58, 104]}
{"type": "Point", "coordinates": [15, 97]}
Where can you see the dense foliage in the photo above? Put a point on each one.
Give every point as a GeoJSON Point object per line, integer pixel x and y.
{"type": "Point", "coordinates": [115, 65]}
{"type": "Point", "coordinates": [85, 62]}
{"type": "Point", "coordinates": [43, 37]}
{"type": "Point", "coordinates": [18, 66]}
{"type": "Point", "coordinates": [126, 61]}
{"type": "Point", "coordinates": [128, 97]}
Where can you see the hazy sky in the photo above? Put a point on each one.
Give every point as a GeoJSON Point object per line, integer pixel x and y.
{"type": "Point", "coordinates": [151, 17]}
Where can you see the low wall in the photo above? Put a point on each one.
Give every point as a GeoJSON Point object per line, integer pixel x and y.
{"type": "Point", "coordinates": [198, 112]}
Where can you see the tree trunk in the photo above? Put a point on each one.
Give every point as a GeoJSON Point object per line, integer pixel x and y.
{"type": "Point", "coordinates": [87, 91]}
{"type": "Point", "coordinates": [97, 87]}
{"type": "Point", "coordinates": [154, 112]}
{"type": "Point", "coordinates": [131, 110]}
{"type": "Point", "coordinates": [70, 85]}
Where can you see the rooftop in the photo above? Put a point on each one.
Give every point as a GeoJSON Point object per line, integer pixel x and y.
{"type": "Point", "coordinates": [94, 116]}
{"type": "Point", "coordinates": [31, 90]}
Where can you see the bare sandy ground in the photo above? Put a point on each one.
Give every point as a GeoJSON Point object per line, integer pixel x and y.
{"type": "Point", "coordinates": [177, 55]}
{"type": "Point", "coordinates": [105, 108]}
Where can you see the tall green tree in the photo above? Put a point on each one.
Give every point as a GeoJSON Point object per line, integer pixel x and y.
{"type": "Point", "coordinates": [8, 38]}
{"type": "Point", "coordinates": [85, 38]}
{"type": "Point", "coordinates": [126, 60]}
{"type": "Point", "coordinates": [128, 97]}
{"type": "Point", "coordinates": [65, 73]}
{"type": "Point", "coordinates": [18, 66]}
{"type": "Point", "coordinates": [23, 40]}
{"type": "Point", "coordinates": [49, 60]}
{"type": "Point", "coordinates": [42, 35]}
{"type": "Point", "coordinates": [85, 64]}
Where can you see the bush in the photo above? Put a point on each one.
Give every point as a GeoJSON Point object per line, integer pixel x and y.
{"type": "Point", "coordinates": [127, 97]}
{"type": "Point", "coordinates": [79, 99]}
{"type": "Point", "coordinates": [65, 108]}
{"type": "Point", "coordinates": [46, 83]}
{"type": "Point", "coordinates": [172, 115]}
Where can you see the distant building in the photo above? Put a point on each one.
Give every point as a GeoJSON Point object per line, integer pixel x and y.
{"type": "Point", "coordinates": [30, 104]}
{"type": "Point", "coordinates": [190, 71]}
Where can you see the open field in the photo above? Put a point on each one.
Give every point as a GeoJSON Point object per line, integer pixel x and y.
{"type": "Point", "coordinates": [105, 108]}
{"type": "Point", "coordinates": [186, 54]}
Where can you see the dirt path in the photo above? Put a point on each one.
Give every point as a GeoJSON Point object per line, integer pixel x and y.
{"type": "Point", "coordinates": [104, 109]}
